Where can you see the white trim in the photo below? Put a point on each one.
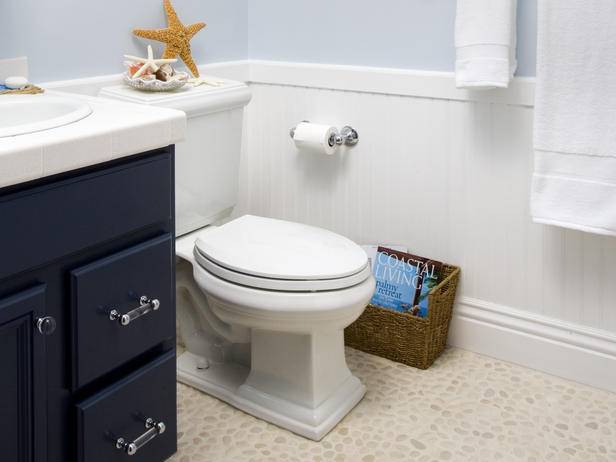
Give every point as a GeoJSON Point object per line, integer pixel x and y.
{"type": "Point", "coordinates": [233, 70]}
{"type": "Point", "coordinates": [85, 86]}
{"type": "Point", "coordinates": [565, 349]}
{"type": "Point", "coordinates": [389, 81]}
{"type": "Point", "coordinates": [403, 82]}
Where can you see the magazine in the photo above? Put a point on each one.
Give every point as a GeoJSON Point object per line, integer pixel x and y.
{"type": "Point", "coordinates": [403, 281]}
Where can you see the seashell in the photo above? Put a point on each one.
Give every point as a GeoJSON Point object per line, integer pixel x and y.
{"type": "Point", "coordinates": [132, 68]}
{"type": "Point", "coordinates": [180, 77]}
{"type": "Point", "coordinates": [152, 84]}
{"type": "Point", "coordinates": [149, 65]}
{"type": "Point", "coordinates": [165, 72]}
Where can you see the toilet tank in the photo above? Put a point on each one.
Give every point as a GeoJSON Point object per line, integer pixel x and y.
{"type": "Point", "coordinates": [207, 161]}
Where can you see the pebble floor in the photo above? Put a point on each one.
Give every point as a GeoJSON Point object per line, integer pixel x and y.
{"type": "Point", "coordinates": [466, 407]}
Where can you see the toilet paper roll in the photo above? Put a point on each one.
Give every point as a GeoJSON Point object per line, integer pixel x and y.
{"type": "Point", "coordinates": [315, 137]}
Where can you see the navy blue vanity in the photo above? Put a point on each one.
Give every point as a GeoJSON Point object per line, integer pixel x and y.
{"type": "Point", "coordinates": [87, 314]}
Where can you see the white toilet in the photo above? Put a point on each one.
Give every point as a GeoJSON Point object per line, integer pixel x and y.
{"type": "Point", "coordinates": [262, 303]}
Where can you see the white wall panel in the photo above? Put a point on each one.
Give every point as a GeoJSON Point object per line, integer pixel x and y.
{"type": "Point", "coordinates": [449, 179]}
{"type": "Point", "coordinates": [446, 173]}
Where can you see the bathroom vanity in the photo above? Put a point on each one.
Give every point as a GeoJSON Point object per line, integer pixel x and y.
{"type": "Point", "coordinates": [87, 313]}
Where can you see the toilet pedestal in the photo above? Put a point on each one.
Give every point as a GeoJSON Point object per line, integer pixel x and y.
{"type": "Point", "coordinates": [279, 387]}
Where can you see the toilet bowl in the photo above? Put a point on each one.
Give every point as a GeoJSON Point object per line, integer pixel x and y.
{"type": "Point", "coordinates": [262, 305]}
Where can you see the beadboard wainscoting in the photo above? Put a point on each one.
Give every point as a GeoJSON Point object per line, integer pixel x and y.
{"type": "Point", "coordinates": [446, 173]}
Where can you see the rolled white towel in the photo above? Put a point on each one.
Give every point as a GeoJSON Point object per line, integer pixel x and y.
{"type": "Point", "coordinates": [485, 39]}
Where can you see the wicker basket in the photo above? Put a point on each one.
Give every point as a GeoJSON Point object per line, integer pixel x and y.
{"type": "Point", "coordinates": [403, 337]}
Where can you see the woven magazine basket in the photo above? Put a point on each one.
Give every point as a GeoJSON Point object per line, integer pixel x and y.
{"type": "Point", "coordinates": [405, 338]}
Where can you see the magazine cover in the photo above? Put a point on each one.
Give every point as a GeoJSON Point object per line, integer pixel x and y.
{"type": "Point", "coordinates": [403, 281]}
{"type": "Point", "coordinates": [430, 275]}
{"type": "Point", "coordinates": [397, 281]}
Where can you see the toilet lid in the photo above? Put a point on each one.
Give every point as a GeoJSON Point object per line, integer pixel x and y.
{"type": "Point", "coordinates": [276, 249]}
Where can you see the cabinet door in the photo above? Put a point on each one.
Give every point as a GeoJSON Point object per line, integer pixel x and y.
{"type": "Point", "coordinates": [23, 379]}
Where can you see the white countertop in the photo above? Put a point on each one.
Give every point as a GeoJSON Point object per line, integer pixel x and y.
{"type": "Point", "coordinates": [114, 129]}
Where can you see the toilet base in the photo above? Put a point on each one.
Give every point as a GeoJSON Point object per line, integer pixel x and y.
{"type": "Point", "coordinates": [227, 382]}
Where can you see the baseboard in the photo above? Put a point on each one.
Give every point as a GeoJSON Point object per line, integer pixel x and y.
{"type": "Point", "coordinates": [361, 79]}
{"type": "Point", "coordinates": [571, 351]}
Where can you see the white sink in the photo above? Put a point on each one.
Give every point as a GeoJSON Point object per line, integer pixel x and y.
{"type": "Point", "coordinates": [21, 114]}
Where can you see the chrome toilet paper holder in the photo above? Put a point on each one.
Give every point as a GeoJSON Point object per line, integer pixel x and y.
{"type": "Point", "coordinates": [347, 136]}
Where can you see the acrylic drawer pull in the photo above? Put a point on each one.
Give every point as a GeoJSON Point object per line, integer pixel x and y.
{"type": "Point", "coordinates": [153, 430]}
{"type": "Point", "coordinates": [146, 305]}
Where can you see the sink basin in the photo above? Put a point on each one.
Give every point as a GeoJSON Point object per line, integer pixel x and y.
{"type": "Point", "coordinates": [22, 114]}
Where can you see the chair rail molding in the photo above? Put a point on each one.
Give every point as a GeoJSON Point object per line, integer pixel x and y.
{"type": "Point", "coordinates": [365, 79]}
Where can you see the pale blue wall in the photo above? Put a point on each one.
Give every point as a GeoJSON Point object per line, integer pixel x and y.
{"type": "Point", "coordinates": [77, 38]}
{"type": "Point", "coordinates": [412, 34]}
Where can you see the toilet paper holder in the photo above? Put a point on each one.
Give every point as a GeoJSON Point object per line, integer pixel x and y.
{"type": "Point", "coordinates": [347, 136]}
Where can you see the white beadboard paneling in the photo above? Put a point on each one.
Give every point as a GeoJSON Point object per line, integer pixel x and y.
{"type": "Point", "coordinates": [447, 178]}
{"type": "Point", "coordinates": [445, 173]}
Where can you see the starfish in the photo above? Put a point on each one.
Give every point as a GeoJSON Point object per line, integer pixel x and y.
{"type": "Point", "coordinates": [197, 81]}
{"type": "Point", "coordinates": [148, 63]}
{"type": "Point", "coordinates": [176, 36]}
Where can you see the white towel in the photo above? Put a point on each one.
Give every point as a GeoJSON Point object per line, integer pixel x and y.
{"type": "Point", "coordinates": [574, 183]}
{"type": "Point", "coordinates": [485, 43]}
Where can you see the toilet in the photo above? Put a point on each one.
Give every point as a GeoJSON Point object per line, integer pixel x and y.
{"type": "Point", "coordinates": [262, 303]}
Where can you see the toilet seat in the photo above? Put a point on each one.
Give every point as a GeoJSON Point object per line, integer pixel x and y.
{"type": "Point", "coordinates": [285, 285]}
{"type": "Point", "coordinates": [271, 254]}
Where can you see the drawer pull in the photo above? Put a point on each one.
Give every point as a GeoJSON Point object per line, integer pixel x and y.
{"type": "Point", "coordinates": [153, 430]}
{"type": "Point", "coordinates": [146, 305]}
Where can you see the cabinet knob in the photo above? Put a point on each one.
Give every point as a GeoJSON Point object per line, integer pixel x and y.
{"type": "Point", "coordinates": [46, 325]}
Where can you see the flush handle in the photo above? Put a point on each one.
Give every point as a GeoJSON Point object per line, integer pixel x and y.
{"type": "Point", "coordinates": [146, 305]}
{"type": "Point", "coordinates": [153, 429]}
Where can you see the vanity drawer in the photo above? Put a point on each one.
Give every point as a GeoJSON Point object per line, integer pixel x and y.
{"type": "Point", "coordinates": [122, 306]}
{"type": "Point", "coordinates": [51, 221]}
{"type": "Point", "coordinates": [121, 411]}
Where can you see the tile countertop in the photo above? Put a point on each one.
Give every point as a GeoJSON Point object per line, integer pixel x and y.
{"type": "Point", "coordinates": [114, 129]}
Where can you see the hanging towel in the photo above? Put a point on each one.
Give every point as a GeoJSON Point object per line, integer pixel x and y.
{"type": "Point", "coordinates": [574, 182]}
{"type": "Point", "coordinates": [485, 43]}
